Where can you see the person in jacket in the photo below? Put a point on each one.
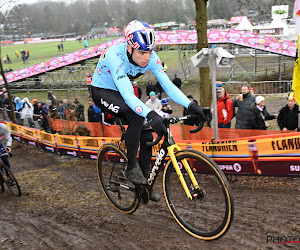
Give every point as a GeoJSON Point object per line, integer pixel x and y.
{"type": "Point", "coordinates": [191, 121]}
{"type": "Point", "coordinates": [165, 109]}
{"type": "Point", "coordinates": [150, 87]}
{"type": "Point", "coordinates": [44, 123]}
{"type": "Point", "coordinates": [91, 113]}
{"type": "Point", "coordinates": [177, 81]}
{"type": "Point", "coordinates": [243, 102]}
{"type": "Point", "coordinates": [36, 111]}
{"type": "Point", "coordinates": [288, 115]}
{"type": "Point", "coordinates": [137, 90]}
{"type": "Point", "coordinates": [27, 112]}
{"type": "Point", "coordinates": [153, 103]}
{"type": "Point", "coordinates": [260, 114]}
{"type": "Point", "coordinates": [79, 111]}
{"type": "Point", "coordinates": [224, 108]}
{"type": "Point", "coordinates": [18, 108]}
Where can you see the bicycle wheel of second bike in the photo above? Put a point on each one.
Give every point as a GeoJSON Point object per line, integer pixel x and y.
{"type": "Point", "coordinates": [11, 181]}
{"type": "Point", "coordinates": [118, 190]}
{"type": "Point", "coordinates": [209, 214]}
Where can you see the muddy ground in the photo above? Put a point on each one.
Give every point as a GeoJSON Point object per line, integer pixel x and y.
{"type": "Point", "coordinates": [63, 207]}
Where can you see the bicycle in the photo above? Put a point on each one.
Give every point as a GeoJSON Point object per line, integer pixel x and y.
{"type": "Point", "coordinates": [7, 177]}
{"type": "Point", "coordinates": [204, 207]}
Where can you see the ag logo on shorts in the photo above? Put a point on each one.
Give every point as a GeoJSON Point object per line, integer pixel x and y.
{"type": "Point", "coordinates": [139, 109]}
{"type": "Point", "coordinates": [99, 71]}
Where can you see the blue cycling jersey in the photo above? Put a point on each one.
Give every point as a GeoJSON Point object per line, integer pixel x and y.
{"type": "Point", "coordinates": [115, 72]}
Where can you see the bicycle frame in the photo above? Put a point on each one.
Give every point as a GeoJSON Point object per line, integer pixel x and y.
{"type": "Point", "coordinates": [168, 146]}
{"type": "Point", "coordinates": [171, 147]}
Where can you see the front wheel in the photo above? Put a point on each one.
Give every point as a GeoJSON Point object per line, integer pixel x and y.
{"type": "Point", "coordinates": [209, 214]}
{"type": "Point", "coordinates": [10, 181]}
{"type": "Point", "coordinates": [111, 165]}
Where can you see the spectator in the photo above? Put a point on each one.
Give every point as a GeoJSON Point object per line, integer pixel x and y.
{"type": "Point", "coordinates": [165, 67]}
{"type": "Point", "coordinates": [85, 43]}
{"type": "Point", "coordinates": [150, 87]}
{"type": "Point", "coordinates": [260, 114]}
{"type": "Point", "coordinates": [44, 124]}
{"type": "Point", "coordinates": [36, 109]}
{"type": "Point", "coordinates": [89, 79]}
{"type": "Point", "coordinates": [18, 107]}
{"type": "Point", "coordinates": [165, 110]}
{"type": "Point", "coordinates": [153, 103]}
{"type": "Point", "coordinates": [288, 115]}
{"type": "Point", "coordinates": [5, 102]}
{"type": "Point", "coordinates": [62, 46]}
{"type": "Point", "coordinates": [191, 121]}
{"type": "Point", "coordinates": [137, 90]}
{"type": "Point", "coordinates": [27, 112]}
{"type": "Point", "coordinates": [91, 113]}
{"type": "Point", "coordinates": [68, 109]}
{"type": "Point", "coordinates": [177, 81]}
{"type": "Point", "coordinates": [8, 59]}
{"type": "Point", "coordinates": [79, 110]}
{"type": "Point", "coordinates": [23, 55]}
{"type": "Point", "coordinates": [97, 113]}
{"type": "Point", "coordinates": [58, 46]}
{"type": "Point", "coordinates": [159, 90]}
{"type": "Point", "coordinates": [225, 108]}
{"type": "Point", "coordinates": [251, 89]}
{"type": "Point", "coordinates": [62, 110]}
{"type": "Point", "coordinates": [52, 110]}
{"type": "Point", "coordinates": [26, 58]}
{"type": "Point", "coordinates": [243, 102]}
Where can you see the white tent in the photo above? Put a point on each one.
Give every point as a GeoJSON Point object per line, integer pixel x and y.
{"type": "Point", "coordinates": [244, 24]}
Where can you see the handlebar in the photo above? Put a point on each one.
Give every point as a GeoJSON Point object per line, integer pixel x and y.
{"type": "Point", "coordinates": [174, 120]}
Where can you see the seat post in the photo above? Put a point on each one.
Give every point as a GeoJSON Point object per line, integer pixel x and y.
{"type": "Point", "coordinates": [122, 128]}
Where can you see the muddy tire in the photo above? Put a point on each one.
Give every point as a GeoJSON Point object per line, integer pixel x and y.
{"type": "Point", "coordinates": [209, 214]}
{"type": "Point", "coordinates": [10, 180]}
{"type": "Point", "coordinates": [111, 164]}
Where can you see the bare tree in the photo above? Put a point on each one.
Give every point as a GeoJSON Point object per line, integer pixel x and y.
{"type": "Point", "coordinates": [201, 26]}
{"type": "Point", "coordinates": [8, 6]}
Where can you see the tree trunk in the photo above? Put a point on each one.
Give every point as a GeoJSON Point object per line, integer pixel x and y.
{"type": "Point", "coordinates": [201, 26]}
{"type": "Point", "coordinates": [11, 105]}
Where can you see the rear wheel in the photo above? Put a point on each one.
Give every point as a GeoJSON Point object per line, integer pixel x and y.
{"type": "Point", "coordinates": [111, 163]}
{"type": "Point", "coordinates": [11, 181]}
{"type": "Point", "coordinates": [209, 214]}
{"type": "Point", "coordinates": [1, 183]}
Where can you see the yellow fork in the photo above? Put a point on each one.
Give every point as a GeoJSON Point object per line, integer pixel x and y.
{"type": "Point", "coordinates": [172, 150]}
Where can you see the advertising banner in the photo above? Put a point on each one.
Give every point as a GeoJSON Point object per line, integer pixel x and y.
{"type": "Point", "coordinates": [15, 131]}
{"type": "Point", "coordinates": [89, 146]}
{"type": "Point", "coordinates": [251, 40]}
{"type": "Point", "coordinates": [270, 154]}
{"type": "Point", "coordinates": [67, 145]}
{"type": "Point", "coordinates": [29, 136]}
{"type": "Point", "coordinates": [47, 141]}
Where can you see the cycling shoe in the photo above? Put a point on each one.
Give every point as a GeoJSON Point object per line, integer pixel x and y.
{"type": "Point", "coordinates": [136, 176]}
{"type": "Point", "coordinates": [154, 196]}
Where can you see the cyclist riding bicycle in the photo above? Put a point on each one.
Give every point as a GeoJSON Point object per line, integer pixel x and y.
{"type": "Point", "coordinates": [5, 150]}
{"type": "Point", "coordinates": [112, 92]}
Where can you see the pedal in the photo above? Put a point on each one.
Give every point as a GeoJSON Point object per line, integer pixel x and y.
{"type": "Point", "coordinates": [113, 188]}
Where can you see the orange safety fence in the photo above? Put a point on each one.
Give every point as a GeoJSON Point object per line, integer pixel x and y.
{"type": "Point", "coordinates": [242, 152]}
{"type": "Point", "coordinates": [179, 132]}
{"type": "Point", "coordinates": [69, 127]}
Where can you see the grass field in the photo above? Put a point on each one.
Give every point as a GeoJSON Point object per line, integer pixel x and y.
{"type": "Point", "coordinates": [40, 52]}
